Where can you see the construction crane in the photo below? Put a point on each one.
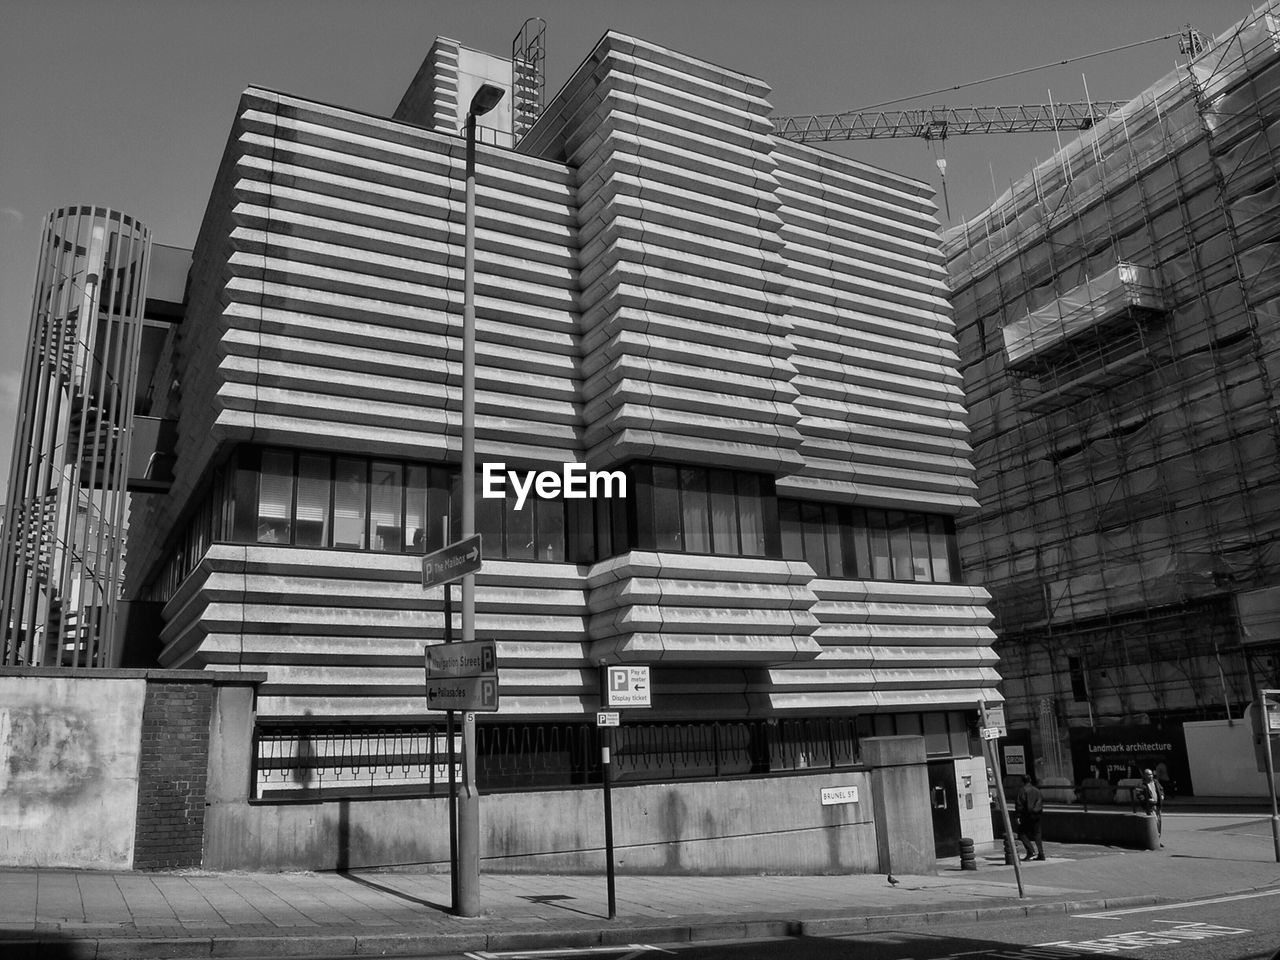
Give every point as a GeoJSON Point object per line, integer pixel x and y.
{"type": "Point", "coordinates": [936, 124]}
{"type": "Point", "coordinates": [939, 123]}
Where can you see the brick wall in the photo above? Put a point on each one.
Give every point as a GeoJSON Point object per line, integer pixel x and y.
{"type": "Point", "coordinates": [172, 769]}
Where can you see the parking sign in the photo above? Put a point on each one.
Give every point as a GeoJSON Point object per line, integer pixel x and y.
{"type": "Point", "coordinates": [627, 686]}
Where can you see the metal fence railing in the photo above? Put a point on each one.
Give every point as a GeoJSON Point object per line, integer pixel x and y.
{"type": "Point", "coordinates": [296, 760]}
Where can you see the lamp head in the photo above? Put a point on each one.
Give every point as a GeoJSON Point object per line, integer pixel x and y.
{"type": "Point", "coordinates": [485, 99]}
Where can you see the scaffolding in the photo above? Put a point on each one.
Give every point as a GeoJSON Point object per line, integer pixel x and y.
{"type": "Point", "coordinates": [1117, 313]}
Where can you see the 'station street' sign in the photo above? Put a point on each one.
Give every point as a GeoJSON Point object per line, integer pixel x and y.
{"type": "Point", "coordinates": [452, 562]}
{"type": "Point", "coordinates": [462, 676]}
{"type": "Point", "coordinates": [476, 659]}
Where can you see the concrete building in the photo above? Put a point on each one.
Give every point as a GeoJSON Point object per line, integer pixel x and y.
{"type": "Point", "coordinates": [1116, 312]}
{"type": "Point", "coordinates": [755, 333]}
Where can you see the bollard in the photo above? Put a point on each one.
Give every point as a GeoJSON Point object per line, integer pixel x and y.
{"type": "Point", "coordinates": [1010, 852]}
{"type": "Point", "coordinates": [968, 861]}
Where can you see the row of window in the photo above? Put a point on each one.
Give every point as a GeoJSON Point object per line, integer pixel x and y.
{"type": "Point", "coordinates": [311, 499]}
{"type": "Point", "coordinates": [866, 544]}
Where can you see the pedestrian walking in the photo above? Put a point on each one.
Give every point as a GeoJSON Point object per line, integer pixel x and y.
{"type": "Point", "coordinates": [1151, 800]}
{"type": "Point", "coordinates": [1029, 805]}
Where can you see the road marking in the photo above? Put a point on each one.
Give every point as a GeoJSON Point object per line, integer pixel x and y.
{"type": "Point", "coordinates": [1113, 914]}
{"type": "Point", "coordinates": [1138, 939]}
{"type": "Point", "coordinates": [635, 950]}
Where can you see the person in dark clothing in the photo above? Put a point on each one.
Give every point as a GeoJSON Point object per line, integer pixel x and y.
{"type": "Point", "coordinates": [1030, 806]}
{"type": "Point", "coordinates": [1150, 797]}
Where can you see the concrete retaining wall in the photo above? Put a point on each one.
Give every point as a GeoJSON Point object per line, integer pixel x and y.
{"type": "Point", "coordinates": [105, 769]}
{"type": "Point", "coordinates": [69, 770]}
{"type": "Point", "coordinates": [732, 826]}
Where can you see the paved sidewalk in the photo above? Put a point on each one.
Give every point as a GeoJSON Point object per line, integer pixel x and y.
{"type": "Point", "coordinates": [63, 913]}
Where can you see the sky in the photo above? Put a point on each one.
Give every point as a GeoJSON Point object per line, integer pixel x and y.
{"type": "Point", "coordinates": [127, 103]}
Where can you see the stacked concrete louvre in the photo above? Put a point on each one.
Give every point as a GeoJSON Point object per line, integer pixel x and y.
{"type": "Point", "coordinates": [1117, 316]}
{"type": "Point", "coordinates": [684, 331]}
{"type": "Point", "coordinates": [658, 279]}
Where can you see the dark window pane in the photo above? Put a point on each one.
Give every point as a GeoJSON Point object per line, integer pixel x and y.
{"type": "Point", "coordinates": [519, 544]}
{"type": "Point", "coordinates": [550, 517]}
{"type": "Point", "coordinates": [937, 742]}
{"type": "Point", "coordinates": [416, 477]}
{"type": "Point", "coordinates": [792, 537]}
{"type": "Point", "coordinates": [441, 505]}
{"type": "Point", "coordinates": [489, 512]}
{"type": "Point", "coordinates": [834, 531]}
{"type": "Point", "coordinates": [312, 513]}
{"type": "Point", "coordinates": [454, 508]}
{"type": "Point", "coordinates": [939, 550]}
{"type": "Point", "coordinates": [958, 733]}
{"type": "Point", "coordinates": [724, 514]}
{"type": "Point", "coordinates": [275, 497]}
{"type": "Point", "coordinates": [909, 725]}
{"type": "Point", "coordinates": [751, 515]}
{"type": "Point", "coordinates": [350, 503]}
{"type": "Point", "coordinates": [879, 537]}
{"type": "Point", "coordinates": [603, 513]}
{"type": "Point", "coordinates": [580, 534]}
{"type": "Point", "coordinates": [385, 505]}
{"type": "Point", "coordinates": [622, 516]}
{"type": "Point", "coordinates": [919, 548]}
{"type": "Point", "coordinates": [856, 546]}
{"type": "Point", "coordinates": [815, 551]}
{"type": "Point", "coordinates": [697, 519]}
{"type": "Point", "coordinates": [245, 529]}
{"type": "Point", "coordinates": [900, 545]}
{"type": "Point", "coordinates": [666, 510]}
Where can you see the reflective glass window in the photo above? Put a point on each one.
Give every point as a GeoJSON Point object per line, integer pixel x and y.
{"type": "Point", "coordinates": [350, 503]}
{"type": "Point", "coordinates": [386, 494]}
{"type": "Point", "coordinates": [275, 497]}
{"type": "Point", "coordinates": [311, 517]}
{"type": "Point", "coordinates": [724, 513]}
{"type": "Point", "coordinates": [751, 515]}
{"type": "Point", "coordinates": [694, 509]}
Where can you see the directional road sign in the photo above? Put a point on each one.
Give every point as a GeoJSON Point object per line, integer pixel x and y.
{"type": "Point", "coordinates": [477, 694]}
{"type": "Point", "coordinates": [475, 659]}
{"type": "Point", "coordinates": [993, 718]}
{"type": "Point", "coordinates": [452, 562]}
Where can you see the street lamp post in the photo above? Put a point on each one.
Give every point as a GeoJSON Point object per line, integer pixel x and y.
{"type": "Point", "coordinates": [468, 866]}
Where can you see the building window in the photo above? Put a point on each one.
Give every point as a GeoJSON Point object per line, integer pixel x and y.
{"type": "Point", "coordinates": [853, 543]}
{"type": "Point", "coordinates": [315, 487]}
{"type": "Point", "coordinates": [695, 510]}
{"type": "Point", "coordinates": [275, 497]}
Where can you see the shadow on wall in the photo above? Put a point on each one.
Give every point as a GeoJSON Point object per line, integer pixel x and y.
{"type": "Point", "coordinates": [344, 864]}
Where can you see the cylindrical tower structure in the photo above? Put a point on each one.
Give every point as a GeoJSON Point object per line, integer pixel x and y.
{"type": "Point", "coordinates": [65, 514]}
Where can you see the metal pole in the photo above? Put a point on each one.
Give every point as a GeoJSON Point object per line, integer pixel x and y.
{"type": "Point", "coordinates": [606, 748]}
{"type": "Point", "coordinates": [1260, 698]}
{"type": "Point", "coordinates": [468, 902]}
{"type": "Point", "coordinates": [989, 747]}
{"type": "Point", "coordinates": [606, 777]}
{"type": "Point", "coordinates": [453, 757]}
